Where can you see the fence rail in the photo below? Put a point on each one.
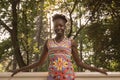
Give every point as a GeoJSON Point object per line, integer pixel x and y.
{"type": "Point", "coordinates": [43, 76]}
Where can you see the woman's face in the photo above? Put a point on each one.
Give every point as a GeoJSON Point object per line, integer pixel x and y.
{"type": "Point", "coordinates": [59, 26]}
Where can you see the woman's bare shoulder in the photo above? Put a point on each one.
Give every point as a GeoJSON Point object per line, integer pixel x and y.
{"type": "Point", "coordinates": [73, 43]}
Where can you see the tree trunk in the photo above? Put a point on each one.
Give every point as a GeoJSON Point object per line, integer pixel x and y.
{"type": "Point", "coordinates": [17, 52]}
{"type": "Point", "coordinates": [14, 35]}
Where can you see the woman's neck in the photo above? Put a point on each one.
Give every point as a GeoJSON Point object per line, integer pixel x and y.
{"type": "Point", "coordinates": [59, 38]}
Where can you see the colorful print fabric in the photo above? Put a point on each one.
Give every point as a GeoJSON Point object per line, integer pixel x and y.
{"type": "Point", "coordinates": [60, 67]}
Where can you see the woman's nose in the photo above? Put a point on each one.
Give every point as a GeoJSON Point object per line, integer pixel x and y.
{"type": "Point", "coordinates": [59, 27]}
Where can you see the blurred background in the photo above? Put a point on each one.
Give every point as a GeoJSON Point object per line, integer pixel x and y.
{"type": "Point", "coordinates": [26, 24]}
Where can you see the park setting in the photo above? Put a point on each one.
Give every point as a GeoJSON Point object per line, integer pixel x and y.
{"type": "Point", "coordinates": [59, 39]}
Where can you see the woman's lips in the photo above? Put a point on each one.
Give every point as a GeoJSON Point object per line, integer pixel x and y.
{"type": "Point", "coordinates": [59, 31]}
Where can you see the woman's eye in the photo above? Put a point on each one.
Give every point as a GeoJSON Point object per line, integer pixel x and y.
{"type": "Point", "coordinates": [61, 25]}
{"type": "Point", "coordinates": [58, 25]}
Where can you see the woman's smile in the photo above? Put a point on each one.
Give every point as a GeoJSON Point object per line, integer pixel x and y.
{"type": "Point", "coordinates": [60, 31]}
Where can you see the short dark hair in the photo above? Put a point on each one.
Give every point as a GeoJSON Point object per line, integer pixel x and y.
{"type": "Point", "coordinates": [59, 16]}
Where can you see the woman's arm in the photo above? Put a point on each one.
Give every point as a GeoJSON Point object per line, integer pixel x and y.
{"type": "Point", "coordinates": [79, 61]}
{"type": "Point", "coordinates": [38, 63]}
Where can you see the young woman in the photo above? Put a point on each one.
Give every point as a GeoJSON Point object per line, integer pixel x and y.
{"type": "Point", "coordinates": [59, 51]}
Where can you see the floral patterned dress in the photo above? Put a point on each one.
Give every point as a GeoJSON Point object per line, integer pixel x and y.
{"type": "Point", "coordinates": [60, 67]}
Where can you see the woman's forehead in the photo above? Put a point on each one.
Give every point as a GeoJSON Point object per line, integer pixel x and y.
{"type": "Point", "coordinates": [59, 21]}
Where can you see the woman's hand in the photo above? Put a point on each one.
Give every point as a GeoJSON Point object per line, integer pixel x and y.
{"type": "Point", "coordinates": [79, 61]}
{"type": "Point", "coordinates": [102, 71]}
{"type": "Point", "coordinates": [15, 72]}
{"type": "Point", "coordinates": [37, 63]}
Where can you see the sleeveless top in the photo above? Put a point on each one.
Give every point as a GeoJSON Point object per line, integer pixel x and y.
{"type": "Point", "coordinates": [59, 55]}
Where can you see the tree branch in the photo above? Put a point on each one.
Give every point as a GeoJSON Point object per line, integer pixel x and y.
{"type": "Point", "coordinates": [5, 26]}
{"type": "Point", "coordinates": [75, 3]}
{"type": "Point", "coordinates": [93, 12]}
{"type": "Point", "coordinates": [70, 14]}
{"type": "Point", "coordinates": [115, 13]}
{"type": "Point", "coordinates": [67, 7]}
{"type": "Point", "coordinates": [82, 27]}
